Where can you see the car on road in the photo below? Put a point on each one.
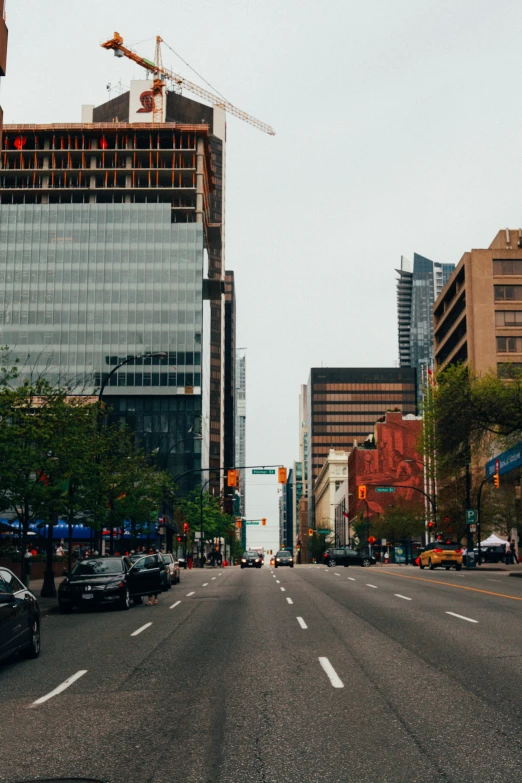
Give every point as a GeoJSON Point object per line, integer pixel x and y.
{"type": "Point", "coordinates": [19, 618]}
{"type": "Point", "coordinates": [284, 558]}
{"type": "Point", "coordinates": [491, 554]}
{"type": "Point", "coordinates": [346, 556]}
{"type": "Point", "coordinates": [173, 567]}
{"type": "Point", "coordinates": [165, 578]}
{"type": "Point", "coordinates": [439, 554]}
{"type": "Point", "coordinates": [250, 560]}
{"type": "Point", "coordinates": [99, 581]}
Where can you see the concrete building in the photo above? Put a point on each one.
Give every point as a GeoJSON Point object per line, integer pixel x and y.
{"type": "Point", "coordinates": [303, 437]}
{"type": "Point", "coordinates": [341, 516]}
{"type": "Point", "coordinates": [417, 290]}
{"type": "Point", "coordinates": [111, 237]}
{"type": "Point", "coordinates": [298, 489]}
{"type": "Point", "coordinates": [332, 475]}
{"type": "Point", "coordinates": [229, 430]}
{"type": "Point", "coordinates": [478, 317]}
{"type": "Point", "coordinates": [342, 407]}
{"type": "Point", "coordinates": [286, 513]}
{"type": "Point", "coordinates": [3, 56]}
{"type": "Point", "coordinates": [241, 427]}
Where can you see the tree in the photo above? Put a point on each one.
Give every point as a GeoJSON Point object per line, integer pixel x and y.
{"type": "Point", "coordinates": [399, 522]}
{"type": "Point", "coordinates": [202, 505]}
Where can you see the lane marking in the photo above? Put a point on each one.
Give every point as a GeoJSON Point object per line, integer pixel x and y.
{"type": "Point", "coordinates": [302, 623]}
{"type": "Point", "coordinates": [450, 584]}
{"type": "Point", "coordinates": [143, 627]}
{"type": "Point", "coordinates": [174, 605]}
{"type": "Point", "coordinates": [213, 578]}
{"type": "Point", "coordinates": [220, 574]}
{"type": "Point", "coordinates": [289, 600]}
{"type": "Point", "coordinates": [283, 590]}
{"type": "Point", "coordinates": [368, 585]}
{"type": "Point", "coordinates": [205, 585]}
{"type": "Point", "coordinates": [336, 574]}
{"type": "Point", "coordinates": [351, 579]}
{"type": "Point", "coordinates": [278, 582]}
{"type": "Point", "coordinates": [494, 580]}
{"type": "Point", "coordinates": [332, 674]}
{"type": "Point", "coordinates": [65, 684]}
{"type": "Point", "coordinates": [405, 597]}
{"type": "Point", "coordinates": [461, 617]}
{"type": "Point", "coordinates": [189, 594]}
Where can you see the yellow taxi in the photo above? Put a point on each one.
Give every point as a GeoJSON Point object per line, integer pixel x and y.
{"type": "Point", "coordinates": [441, 554]}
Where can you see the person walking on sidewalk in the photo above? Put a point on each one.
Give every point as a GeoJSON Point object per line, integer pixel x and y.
{"type": "Point", "coordinates": [28, 562]}
{"type": "Point", "coordinates": [513, 551]}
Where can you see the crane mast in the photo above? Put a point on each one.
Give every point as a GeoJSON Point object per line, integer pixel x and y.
{"type": "Point", "coordinates": [160, 74]}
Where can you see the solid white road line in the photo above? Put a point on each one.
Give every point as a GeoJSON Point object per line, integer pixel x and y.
{"type": "Point", "coordinates": [405, 597]}
{"type": "Point", "coordinates": [283, 590]}
{"type": "Point", "coordinates": [302, 623]}
{"type": "Point", "coordinates": [332, 674]}
{"type": "Point", "coordinates": [189, 594]}
{"type": "Point", "coordinates": [174, 605]}
{"type": "Point", "coordinates": [143, 627]}
{"type": "Point", "coordinates": [69, 681]}
{"type": "Point", "coordinates": [351, 579]}
{"type": "Point", "coordinates": [289, 600]}
{"type": "Point", "coordinates": [368, 585]}
{"type": "Point", "coordinates": [461, 617]}
{"type": "Point", "coordinates": [205, 585]}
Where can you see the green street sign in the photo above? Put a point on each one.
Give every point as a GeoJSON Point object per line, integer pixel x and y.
{"type": "Point", "coordinates": [263, 472]}
{"type": "Point", "coordinates": [471, 516]}
{"type": "Point", "coordinates": [385, 489]}
{"type": "Point", "coordinates": [323, 531]}
{"type": "Point", "coordinates": [252, 522]}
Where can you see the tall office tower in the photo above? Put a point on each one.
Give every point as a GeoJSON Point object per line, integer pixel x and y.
{"type": "Point", "coordinates": [343, 405]}
{"type": "Point", "coordinates": [286, 514]}
{"type": "Point", "coordinates": [229, 430]}
{"type": "Point", "coordinates": [417, 291]}
{"type": "Point", "coordinates": [104, 227]}
{"type": "Point", "coordinates": [3, 55]}
{"type": "Point", "coordinates": [303, 436]}
{"type": "Point", "coordinates": [297, 488]}
{"type": "Point", "coordinates": [241, 425]}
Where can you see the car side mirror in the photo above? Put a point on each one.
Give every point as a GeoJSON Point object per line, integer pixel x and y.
{"type": "Point", "coordinates": [65, 572]}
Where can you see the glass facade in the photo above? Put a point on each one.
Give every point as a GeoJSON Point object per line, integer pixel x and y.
{"type": "Point", "coordinates": [83, 286]}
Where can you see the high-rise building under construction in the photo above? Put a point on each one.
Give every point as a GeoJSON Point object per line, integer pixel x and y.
{"type": "Point", "coordinates": [111, 247]}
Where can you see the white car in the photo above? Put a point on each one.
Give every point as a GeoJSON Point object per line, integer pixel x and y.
{"type": "Point", "coordinates": [173, 567]}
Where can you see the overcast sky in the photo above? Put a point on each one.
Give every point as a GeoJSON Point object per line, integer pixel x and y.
{"type": "Point", "coordinates": [398, 130]}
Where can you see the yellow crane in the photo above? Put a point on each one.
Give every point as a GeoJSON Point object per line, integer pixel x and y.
{"type": "Point", "coordinates": [160, 74]}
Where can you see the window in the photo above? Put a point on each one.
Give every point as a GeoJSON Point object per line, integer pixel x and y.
{"type": "Point", "coordinates": [507, 267]}
{"type": "Point", "coordinates": [9, 583]}
{"type": "Point", "coordinates": [509, 344]}
{"type": "Point", "coordinates": [508, 292]}
{"type": "Point", "coordinates": [508, 318]}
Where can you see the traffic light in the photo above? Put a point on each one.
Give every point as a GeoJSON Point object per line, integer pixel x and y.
{"type": "Point", "coordinates": [186, 527]}
{"type": "Point", "coordinates": [263, 521]}
{"type": "Point", "coordinates": [281, 475]}
{"type": "Point", "coordinates": [180, 539]}
{"type": "Point", "coordinates": [232, 478]}
{"type": "Point", "coordinates": [298, 546]}
{"type": "Point", "coordinates": [431, 525]}
{"type": "Point", "coordinates": [239, 521]}
{"type": "Point", "coordinates": [362, 492]}
{"type": "Point", "coordinates": [310, 531]}
{"type": "Point", "coordinates": [496, 480]}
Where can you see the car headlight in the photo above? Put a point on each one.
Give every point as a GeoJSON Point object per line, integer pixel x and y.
{"type": "Point", "coordinates": [243, 560]}
{"type": "Point", "coordinates": [278, 559]}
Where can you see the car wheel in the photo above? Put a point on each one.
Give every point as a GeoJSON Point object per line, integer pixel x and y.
{"type": "Point", "coordinates": [242, 566]}
{"type": "Point", "coordinates": [125, 601]}
{"type": "Point", "coordinates": [421, 565]}
{"type": "Point", "coordinates": [331, 563]}
{"type": "Point", "coordinates": [458, 567]}
{"type": "Point", "coordinates": [291, 565]}
{"type": "Point", "coordinates": [447, 568]}
{"type": "Point", "coordinates": [138, 599]}
{"type": "Point", "coordinates": [430, 565]}
{"type": "Point", "coordinates": [64, 608]}
{"type": "Point", "coordinates": [33, 648]}
{"type": "Point", "coordinates": [366, 562]}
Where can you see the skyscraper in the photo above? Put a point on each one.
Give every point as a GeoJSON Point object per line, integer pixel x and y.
{"type": "Point", "coordinates": [3, 54]}
{"type": "Point", "coordinates": [241, 425]}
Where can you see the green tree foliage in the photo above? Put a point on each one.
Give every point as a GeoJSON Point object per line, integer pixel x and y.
{"type": "Point", "coordinates": [400, 522]}
{"type": "Point", "coordinates": [197, 505]}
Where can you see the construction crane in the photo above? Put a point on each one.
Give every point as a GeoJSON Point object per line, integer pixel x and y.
{"type": "Point", "coordinates": [160, 74]}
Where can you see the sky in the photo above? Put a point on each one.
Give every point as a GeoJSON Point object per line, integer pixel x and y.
{"type": "Point", "coordinates": [398, 129]}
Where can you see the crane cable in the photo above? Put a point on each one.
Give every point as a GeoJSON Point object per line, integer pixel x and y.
{"type": "Point", "coordinates": [194, 70]}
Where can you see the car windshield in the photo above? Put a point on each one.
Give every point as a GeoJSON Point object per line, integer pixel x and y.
{"type": "Point", "coordinates": [97, 567]}
{"type": "Point", "coordinates": [167, 558]}
{"type": "Point", "coordinates": [449, 547]}
{"type": "Point", "coordinates": [283, 554]}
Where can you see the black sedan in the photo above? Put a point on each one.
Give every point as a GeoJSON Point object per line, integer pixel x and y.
{"type": "Point", "coordinates": [284, 558]}
{"type": "Point", "coordinates": [166, 582]}
{"type": "Point", "coordinates": [19, 618]}
{"type": "Point", "coordinates": [345, 556]}
{"type": "Point", "coordinates": [110, 580]}
{"type": "Point", "coordinates": [250, 560]}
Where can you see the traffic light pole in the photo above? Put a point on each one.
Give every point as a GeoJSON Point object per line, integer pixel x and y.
{"type": "Point", "coordinates": [432, 500]}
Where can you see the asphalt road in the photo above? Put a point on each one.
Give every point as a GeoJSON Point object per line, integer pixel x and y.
{"type": "Point", "coordinates": [273, 676]}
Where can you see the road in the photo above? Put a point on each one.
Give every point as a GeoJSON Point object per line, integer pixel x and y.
{"type": "Point", "coordinates": [386, 675]}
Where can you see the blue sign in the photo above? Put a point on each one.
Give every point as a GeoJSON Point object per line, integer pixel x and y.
{"type": "Point", "coordinates": [508, 460]}
{"type": "Point", "coordinates": [400, 554]}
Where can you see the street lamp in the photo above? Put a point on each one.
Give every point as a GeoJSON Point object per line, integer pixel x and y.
{"type": "Point", "coordinates": [159, 354]}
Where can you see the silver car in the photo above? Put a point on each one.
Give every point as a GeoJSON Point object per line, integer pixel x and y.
{"type": "Point", "coordinates": [173, 567]}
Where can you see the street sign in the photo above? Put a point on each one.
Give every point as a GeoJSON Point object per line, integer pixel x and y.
{"type": "Point", "coordinates": [471, 516]}
{"type": "Point", "coordinates": [383, 542]}
{"type": "Point", "coordinates": [324, 531]}
{"type": "Point", "coordinates": [252, 522]}
{"type": "Point", "coordinates": [472, 528]}
{"type": "Point", "coordinates": [263, 472]}
{"type": "Point", "coordinates": [385, 489]}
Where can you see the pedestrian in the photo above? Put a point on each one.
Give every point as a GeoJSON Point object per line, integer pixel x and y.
{"type": "Point", "coordinates": [60, 551]}
{"type": "Point", "coordinates": [386, 557]}
{"type": "Point", "coordinates": [507, 554]}
{"type": "Point", "coordinates": [28, 562]}
{"type": "Point", "coordinates": [190, 561]}
{"type": "Point", "coordinates": [513, 552]}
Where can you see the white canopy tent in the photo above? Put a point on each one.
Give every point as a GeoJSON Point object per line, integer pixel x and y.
{"type": "Point", "coordinates": [493, 540]}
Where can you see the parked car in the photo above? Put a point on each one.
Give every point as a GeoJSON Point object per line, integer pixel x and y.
{"type": "Point", "coordinates": [250, 560]}
{"type": "Point", "coordinates": [441, 554]}
{"type": "Point", "coordinates": [182, 561]}
{"type": "Point", "coordinates": [491, 554]}
{"type": "Point", "coordinates": [173, 567]}
{"type": "Point", "coordinates": [284, 558]}
{"type": "Point", "coordinates": [346, 556]}
{"type": "Point", "coordinates": [165, 578]}
{"type": "Point", "coordinates": [19, 618]}
{"type": "Point", "coordinates": [110, 580]}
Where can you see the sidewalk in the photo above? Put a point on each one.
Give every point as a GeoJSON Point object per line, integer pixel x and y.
{"type": "Point", "coordinates": [46, 604]}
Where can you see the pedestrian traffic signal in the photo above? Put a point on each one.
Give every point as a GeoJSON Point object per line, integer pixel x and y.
{"type": "Point", "coordinates": [232, 478]}
{"type": "Point", "coordinates": [263, 521]}
{"type": "Point", "coordinates": [281, 475]}
{"type": "Point", "coordinates": [362, 492]}
{"type": "Point", "coordinates": [496, 480]}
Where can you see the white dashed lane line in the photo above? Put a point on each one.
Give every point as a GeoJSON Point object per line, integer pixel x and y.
{"type": "Point", "coordinates": [69, 681]}
{"type": "Point", "coordinates": [336, 574]}
{"type": "Point", "coordinates": [205, 585]}
{"type": "Point", "coordinates": [332, 674]}
{"type": "Point", "coordinates": [174, 605]}
{"type": "Point", "coordinates": [404, 597]}
{"type": "Point", "coordinates": [189, 594]}
{"type": "Point", "coordinates": [461, 617]}
{"type": "Point", "coordinates": [374, 586]}
{"type": "Point", "coordinates": [351, 579]}
{"type": "Point", "coordinates": [283, 590]}
{"type": "Point", "coordinates": [302, 623]}
{"type": "Point", "coordinates": [289, 600]}
{"type": "Point", "coordinates": [213, 578]}
{"type": "Point", "coordinates": [278, 582]}
{"type": "Point", "coordinates": [143, 628]}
